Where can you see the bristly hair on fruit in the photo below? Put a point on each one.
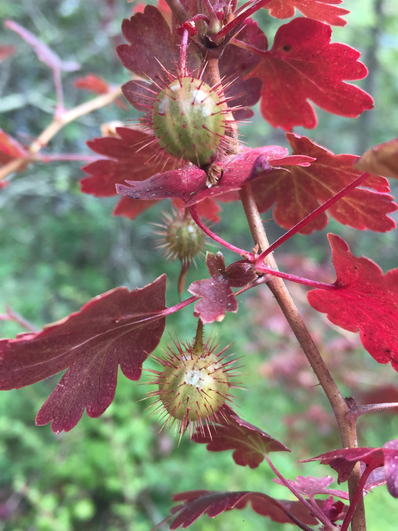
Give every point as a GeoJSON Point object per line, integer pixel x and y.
{"type": "Point", "coordinates": [194, 384]}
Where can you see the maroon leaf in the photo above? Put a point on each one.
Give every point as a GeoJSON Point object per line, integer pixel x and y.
{"type": "Point", "coordinates": [216, 294]}
{"type": "Point", "coordinates": [212, 503]}
{"type": "Point", "coordinates": [317, 9]}
{"type": "Point", "coordinates": [303, 65]}
{"type": "Point", "coordinates": [150, 37]}
{"type": "Point", "coordinates": [302, 189]}
{"type": "Point", "coordinates": [127, 159]}
{"type": "Point", "coordinates": [117, 328]}
{"type": "Point", "coordinates": [310, 486]}
{"type": "Point", "coordinates": [180, 183]}
{"type": "Point", "coordinates": [381, 159]}
{"type": "Point", "coordinates": [43, 52]}
{"type": "Point", "coordinates": [333, 510]}
{"type": "Point", "coordinates": [365, 301]}
{"type": "Point", "coordinates": [236, 62]}
{"type": "Point", "coordinates": [11, 148]}
{"type": "Point", "coordinates": [249, 443]}
{"type": "Point", "coordinates": [390, 451]}
{"type": "Point", "coordinates": [189, 183]}
{"type": "Point", "coordinates": [240, 274]}
{"type": "Point", "coordinates": [343, 461]}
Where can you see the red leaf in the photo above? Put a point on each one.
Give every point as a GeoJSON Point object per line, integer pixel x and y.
{"type": "Point", "coordinates": [131, 208]}
{"type": "Point", "coordinates": [213, 504]}
{"type": "Point", "coordinates": [208, 209]}
{"type": "Point", "coordinates": [127, 159]}
{"type": "Point", "coordinates": [43, 52]}
{"type": "Point", "coordinates": [11, 148]}
{"type": "Point", "coordinates": [343, 461]}
{"type": "Point", "coordinates": [236, 62]}
{"type": "Point", "coordinates": [301, 190]}
{"type": "Point", "coordinates": [217, 295]}
{"type": "Point", "coordinates": [117, 328]}
{"type": "Point", "coordinates": [92, 83]}
{"type": "Point", "coordinates": [149, 36]}
{"type": "Point", "coordinates": [333, 510]}
{"type": "Point", "coordinates": [96, 84]}
{"type": "Point", "coordinates": [381, 159]}
{"type": "Point", "coordinates": [317, 9]}
{"type": "Point", "coordinates": [189, 183]}
{"type": "Point", "coordinates": [240, 274]}
{"type": "Point", "coordinates": [310, 486]}
{"type": "Point", "coordinates": [365, 302]}
{"type": "Point", "coordinates": [249, 443]}
{"type": "Point", "coordinates": [303, 65]}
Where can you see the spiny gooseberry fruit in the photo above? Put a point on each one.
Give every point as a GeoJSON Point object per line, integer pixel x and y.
{"type": "Point", "coordinates": [180, 236]}
{"type": "Point", "coordinates": [187, 119]}
{"type": "Point", "coordinates": [194, 384]}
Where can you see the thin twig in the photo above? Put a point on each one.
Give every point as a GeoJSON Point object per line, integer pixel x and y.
{"type": "Point", "coordinates": [57, 124]}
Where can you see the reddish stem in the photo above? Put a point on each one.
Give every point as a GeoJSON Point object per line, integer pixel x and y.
{"type": "Point", "coordinates": [194, 213]}
{"type": "Point", "coordinates": [357, 496]}
{"type": "Point", "coordinates": [298, 280]}
{"type": "Point", "coordinates": [239, 19]}
{"type": "Point", "coordinates": [311, 216]}
{"type": "Point", "coordinates": [312, 509]}
{"type": "Point", "coordinates": [249, 47]}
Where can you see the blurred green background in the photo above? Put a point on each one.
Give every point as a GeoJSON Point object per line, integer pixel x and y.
{"type": "Point", "coordinates": [59, 248]}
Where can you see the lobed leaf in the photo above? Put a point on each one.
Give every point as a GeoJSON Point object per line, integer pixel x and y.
{"type": "Point", "coordinates": [189, 182]}
{"type": "Point", "coordinates": [216, 294]}
{"type": "Point", "coordinates": [317, 9]}
{"type": "Point", "coordinates": [199, 502]}
{"type": "Point", "coordinates": [151, 43]}
{"type": "Point", "coordinates": [250, 444]}
{"type": "Point", "coordinates": [381, 159]}
{"type": "Point", "coordinates": [128, 157]}
{"type": "Point", "coordinates": [310, 486]}
{"type": "Point", "coordinates": [365, 301]}
{"type": "Point", "coordinates": [299, 191]}
{"type": "Point", "coordinates": [343, 461]}
{"type": "Point", "coordinates": [303, 65]}
{"type": "Point", "coordinates": [116, 328]}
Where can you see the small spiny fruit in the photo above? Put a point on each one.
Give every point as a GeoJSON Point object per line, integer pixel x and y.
{"type": "Point", "coordinates": [194, 384]}
{"type": "Point", "coordinates": [187, 119]}
{"type": "Point", "coordinates": [180, 236]}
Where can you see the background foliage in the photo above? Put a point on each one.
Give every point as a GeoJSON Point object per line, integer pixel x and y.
{"type": "Point", "coordinates": [59, 248]}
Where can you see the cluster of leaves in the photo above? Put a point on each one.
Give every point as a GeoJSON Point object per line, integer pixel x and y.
{"type": "Point", "coordinates": [123, 327]}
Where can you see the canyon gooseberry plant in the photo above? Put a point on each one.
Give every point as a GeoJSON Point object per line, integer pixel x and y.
{"type": "Point", "coordinates": [197, 69]}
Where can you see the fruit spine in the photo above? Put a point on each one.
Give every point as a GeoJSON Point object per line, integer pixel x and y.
{"type": "Point", "coordinates": [193, 385]}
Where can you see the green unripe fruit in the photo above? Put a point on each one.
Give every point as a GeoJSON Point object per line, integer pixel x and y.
{"type": "Point", "coordinates": [187, 119]}
{"type": "Point", "coordinates": [194, 390]}
{"type": "Point", "coordinates": [184, 239]}
{"type": "Point", "coordinates": [194, 384]}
